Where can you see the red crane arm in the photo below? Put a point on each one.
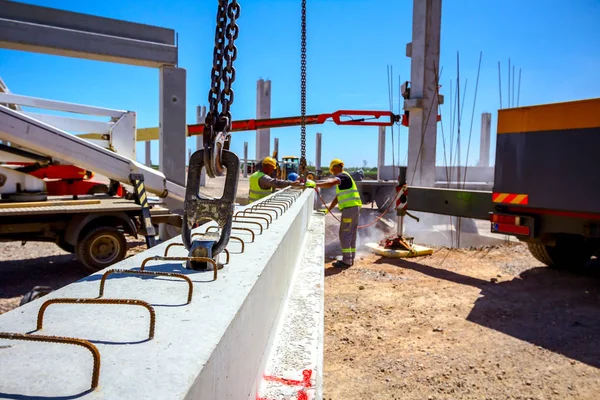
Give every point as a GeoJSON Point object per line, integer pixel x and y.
{"type": "Point", "coordinates": [342, 117]}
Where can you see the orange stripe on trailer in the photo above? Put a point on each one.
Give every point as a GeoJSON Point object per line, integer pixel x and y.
{"type": "Point", "coordinates": [510, 198]}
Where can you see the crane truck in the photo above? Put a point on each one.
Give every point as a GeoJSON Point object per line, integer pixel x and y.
{"type": "Point", "coordinates": [546, 183]}
{"type": "Point", "coordinates": [91, 226]}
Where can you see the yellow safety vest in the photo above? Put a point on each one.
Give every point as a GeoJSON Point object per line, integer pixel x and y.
{"type": "Point", "coordinates": [256, 192]}
{"type": "Point", "coordinates": [348, 197]}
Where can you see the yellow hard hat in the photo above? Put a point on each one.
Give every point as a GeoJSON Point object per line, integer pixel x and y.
{"type": "Point", "coordinates": [270, 161]}
{"type": "Point", "coordinates": [334, 162]}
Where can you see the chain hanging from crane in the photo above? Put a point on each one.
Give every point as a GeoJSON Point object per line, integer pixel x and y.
{"type": "Point", "coordinates": [215, 156]}
{"type": "Point", "coordinates": [303, 170]}
{"type": "Point", "coordinates": [217, 124]}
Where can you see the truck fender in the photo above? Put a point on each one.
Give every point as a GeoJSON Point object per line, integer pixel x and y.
{"type": "Point", "coordinates": [79, 222]}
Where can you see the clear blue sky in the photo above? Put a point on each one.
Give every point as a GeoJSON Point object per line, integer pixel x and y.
{"type": "Point", "coordinates": [350, 43]}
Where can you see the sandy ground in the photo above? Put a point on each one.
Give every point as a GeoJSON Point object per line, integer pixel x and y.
{"type": "Point", "coordinates": [485, 323]}
{"type": "Point", "coordinates": [489, 323]}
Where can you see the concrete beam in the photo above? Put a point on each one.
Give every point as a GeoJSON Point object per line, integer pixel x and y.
{"type": "Point", "coordinates": [172, 124]}
{"type": "Point", "coordinates": [200, 118]}
{"type": "Point", "coordinates": [381, 152]}
{"type": "Point", "coordinates": [51, 31]}
{"type": "Point", "coordinates": [484, 142]}
{"type": "Point", "coordinates": [424, 51]}
{"type": "Point", "coordinates": [235, 331]}
{"type": "Point", "coordinates": [263, 110]}
{"type": "Point", "coordinates": [318, 152]}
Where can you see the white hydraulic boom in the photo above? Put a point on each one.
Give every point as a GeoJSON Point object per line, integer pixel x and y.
{"type": "Point", "coordinates": [29, 133]}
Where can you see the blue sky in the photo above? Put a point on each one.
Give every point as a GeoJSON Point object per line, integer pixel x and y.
{"type": "Point", "coordinates": [556, 44]}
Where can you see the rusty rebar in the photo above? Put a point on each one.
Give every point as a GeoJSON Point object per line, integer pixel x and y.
{"type": "Point", "coordinates": [173, 245]}
{"type": "Point", "coordinates": [227, 254]}
{"type": "Point", "coordinates": [131, 302]}
{"type": "Point", "coordinates": [257, 213]}
{"type": "Point", "coordinates": [252, 217]}
{"type": "Point", "coordinates": [250, 222]}
{"type": "Point", "coordinates": [268, 209]}
{"type": "Point", "coordinates": [150, 273]}
{"type": "Point", "coordinates": [237, 228]}
{"type": "Point", "coordinates": [62, 340]}
{"type": "Point", "coordinates": [277, 207]}
{"type": "Point", "coordinates": [205, 259]}
{"type": "Point", "coordinates": [284, 204]}
{"type": "Point", "coordinates": [240, 240]}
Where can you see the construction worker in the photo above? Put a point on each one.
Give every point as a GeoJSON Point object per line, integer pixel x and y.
{"type": "Point", "coordinates": [261, 182]}
{"type": "Point", "coordinates": [348, 201]}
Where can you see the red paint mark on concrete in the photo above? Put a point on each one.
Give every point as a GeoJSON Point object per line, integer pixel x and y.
{"type": "Point", "coordinates": [305, 382]}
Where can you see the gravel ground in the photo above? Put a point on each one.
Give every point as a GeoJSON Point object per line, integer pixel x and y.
{"type": "Point", "coordinates": [486, 323]}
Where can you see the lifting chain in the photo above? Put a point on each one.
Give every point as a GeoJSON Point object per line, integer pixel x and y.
{"type": "Point", "coordinates": [303, 170]}
{"type": "Point", "coordinates": [215, 156]}
{"type": "Point", "coordinates": [217, 124]}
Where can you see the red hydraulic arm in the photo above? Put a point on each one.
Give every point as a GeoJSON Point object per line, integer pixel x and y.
{"type": "Point", "coordinates": [342, 117]}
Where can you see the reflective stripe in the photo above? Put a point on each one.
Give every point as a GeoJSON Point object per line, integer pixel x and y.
{"type": "Point", "coordinates": [348, 197]}
{"type": "Point", "coordinates": [256, 192]}
{"type": "Point", "coordinates": [352, 250]}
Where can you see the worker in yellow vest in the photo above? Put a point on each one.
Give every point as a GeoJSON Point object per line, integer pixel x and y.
{"type": "Point", "coordinates": [348, 201]}
{"type": "Point", "coordinates": [261, 182]}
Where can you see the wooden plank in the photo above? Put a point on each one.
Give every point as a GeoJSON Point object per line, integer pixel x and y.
{"type": "Point", "coordinates": [62, 203]}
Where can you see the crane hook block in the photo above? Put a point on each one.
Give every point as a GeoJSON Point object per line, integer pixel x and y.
{"type": "Point", "coordinates": [198, 210]}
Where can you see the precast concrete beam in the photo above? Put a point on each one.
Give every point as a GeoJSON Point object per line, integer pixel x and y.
{"type": "Point", "coordinates": [51, 31]}
{"type": "Point", "coordinates": [236, 329]}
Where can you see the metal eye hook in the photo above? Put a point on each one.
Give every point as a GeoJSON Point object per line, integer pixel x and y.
{"type": "Point", "coordinates": [198, 211]}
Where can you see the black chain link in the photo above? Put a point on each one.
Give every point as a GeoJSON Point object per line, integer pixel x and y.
{"type": "Point", "coordinates": [303, 93]}
{"type": "Point", "coordinates": [217, 124]}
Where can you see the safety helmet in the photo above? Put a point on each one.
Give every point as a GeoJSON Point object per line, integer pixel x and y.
{"type": "Point", "coordinates": [334, 162]}
{"type": "Point", "coordinates": [270, 162]}
{"type": "Point", "coordinates": [292, 176]}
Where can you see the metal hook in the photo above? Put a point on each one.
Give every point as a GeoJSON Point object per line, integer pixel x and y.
{"type": "Point", "coordinates": [198, 211]}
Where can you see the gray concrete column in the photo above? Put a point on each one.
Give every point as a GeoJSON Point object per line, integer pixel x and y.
{"type": "Point", "coordinates": [245, 159]}
{"type": "Point", "coordinates": [484, 144]}
{"type": "Point", "coordinates": [276, 147]}
{"type": "Point", "coordinates": [200, 117]}
{"type": "Point", "coordinates": [263, 110]}
{"type": "Point", "coordinates": [148, 153]}
{"type": "Point", "coordinates": [318, 152]}
{"type": "Point", "coordinates": [425, 54]}
{"type": "Point", "coordinates": [172, 124]}
{"type": "Point", "coordinates": [381, 152]}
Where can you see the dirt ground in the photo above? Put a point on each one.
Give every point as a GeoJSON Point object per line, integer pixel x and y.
{"type": "Point", "coordinates": [488, 323]}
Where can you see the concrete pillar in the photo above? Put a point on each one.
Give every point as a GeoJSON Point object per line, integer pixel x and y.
{"type": "Point", "coordinates": [200, 117]}
{"type": "Point", "coordinates": [263, 110]}
{"type": "Point", "coordinates": [148, 153]}
{"type": "Point", "coordinates": [484, 144]}
{"type": "Point", "coordinates": [276, 147]}
{"type": "Point", "coordinates": [245, 159]}
{"type": "Point", "coordinates": [381, 152]}
{"type": "Point", "coordinates": [318, 152]}
{"type": "Point", "coordinates": [425, 54]}
{"type": "Point", "coordinates": [172, 124]}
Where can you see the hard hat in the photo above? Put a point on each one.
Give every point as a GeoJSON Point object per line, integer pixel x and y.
{"type": "Point", "coordinates": [334, 162]}
{"type": "Point", "coordinates": [270, 162]}
{"type": "Point", "coordinates": [310, 184]}
{"type": "Point", "coordinates": [292, 176]}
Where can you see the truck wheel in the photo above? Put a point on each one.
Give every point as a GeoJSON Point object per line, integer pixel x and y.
{"type": "Point", "coordinates": [101, 247]}
{"type": "Point", "coordinates": [568, 253]}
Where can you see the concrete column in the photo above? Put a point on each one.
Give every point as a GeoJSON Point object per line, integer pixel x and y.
{"type": "Point", "coordinates": [263, 110]}
{"type": "Point", "coordinates": [276, 147]}
{"type": "Point", "coordinates": [200, 117]}
{"type": "Point", "coordinates": [484, 144]}
{"type": "Point", "coordinates": [425, 54]}
{"type": "Point", "coordinates": [381, 152]}
{"type": "Point", "coordinates": [148, 153]}
{"type": "Point", "coordinates": [172, 124]}
{"type": "Point", "coordinates": [245, 159]}
{"type": "Point", "coordinates": [318, 152]}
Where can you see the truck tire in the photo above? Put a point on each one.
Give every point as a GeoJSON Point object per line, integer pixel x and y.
{"type": "Point", "coordinates": [567, 253]}
{"type": "Point", "coordinates": [101, 247]}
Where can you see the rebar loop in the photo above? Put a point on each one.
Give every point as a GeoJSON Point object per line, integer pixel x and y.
{"type": "Point", "coordinates": [47, 303]}
{"type": "Point", "coordinates": [62, 340]}
{"type": "Point", "coordinates": [148, 273]}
